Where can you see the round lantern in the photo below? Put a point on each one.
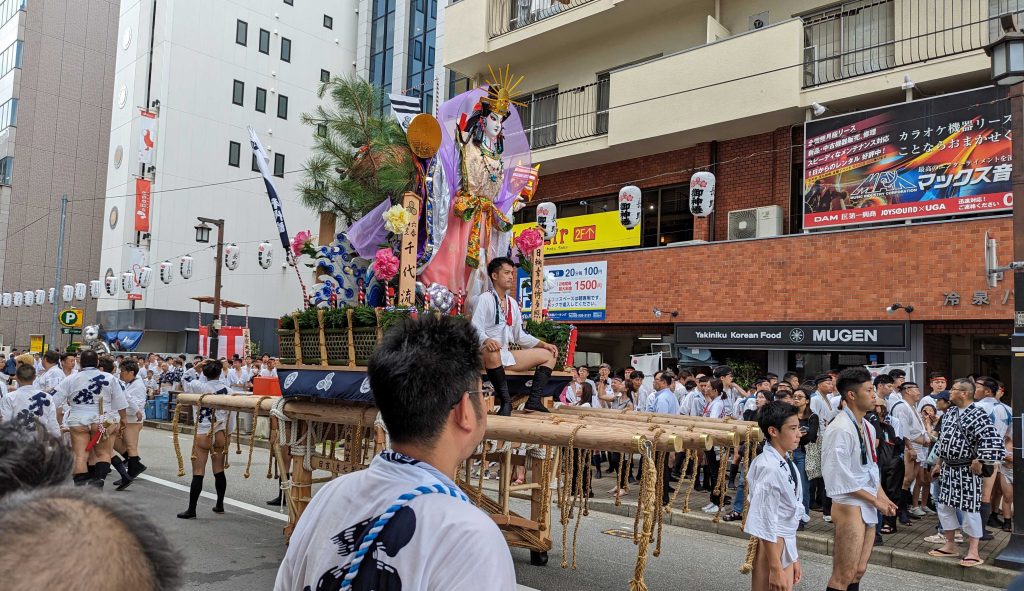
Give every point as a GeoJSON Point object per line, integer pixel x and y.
{"type": "Point", "coordinates": [145, 277]}
{"type": "Point", "coordinates": [67, 293]}
{"type": "Point", "coordinates": [547, 219]}
{"type": "Point", "coordinates": [702, 194]}
{"type": "Point", "coordinates": [18, 297]}
{"type": "Point", "coordinates": [51, 295]}
{"type": "Point", "coordinates": [29, 298]}
{"type": "Point", "coordinates": [40, 297]}
{"type": "Point", "coordinates": [6, 299]}
{"type": "Point", "coordinates": [185, 268]}
{"type": "Point", "coordinates": [265, 254]}
{"type": "Point", "coordinates": [110, 285]}
{"type": "Point", "coordinates": [81, 291]}
{"type": "Point", "coordinates": [95, 288]}
{"type": "Point", "coordinates": [166, 272]}
{"type": "Point", "coordinates": [128, 282]}
{"type": "Point", "coordinates": [630, 206]}
{"type": "Point", "coordinates": [231, 256]}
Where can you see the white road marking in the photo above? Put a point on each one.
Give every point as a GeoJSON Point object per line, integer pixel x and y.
{"type": "Point", "coordinates": [227, 501]}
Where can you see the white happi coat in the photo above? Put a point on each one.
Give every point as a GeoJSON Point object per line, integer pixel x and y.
{"type": "Point", "coordinates": [492, 323]}
{"type": "Point", "coordinates": [776, 502]}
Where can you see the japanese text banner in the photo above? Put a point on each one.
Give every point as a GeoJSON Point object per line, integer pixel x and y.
{"type": "Point", "coordinates": [595, 231]}
{"type": "Point", "coordinates": [945, 156]}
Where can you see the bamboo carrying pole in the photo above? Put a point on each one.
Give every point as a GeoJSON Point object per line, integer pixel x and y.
{"type": "Point", "coordinates": [714, 437]}
{"type": "Point", "coordinates": [702, 423]}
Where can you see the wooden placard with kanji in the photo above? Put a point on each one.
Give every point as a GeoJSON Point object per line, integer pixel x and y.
{"type": "Point", "coordinates": [537, 285]}
{"type": "Point", "coordinates": [407, 259]}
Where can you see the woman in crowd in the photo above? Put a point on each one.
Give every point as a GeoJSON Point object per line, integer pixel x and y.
{"type": "Point", "coordinates": [809, 425]}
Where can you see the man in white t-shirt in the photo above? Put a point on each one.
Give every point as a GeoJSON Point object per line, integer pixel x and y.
{"type": "Point", "coordinates": [428, 534]}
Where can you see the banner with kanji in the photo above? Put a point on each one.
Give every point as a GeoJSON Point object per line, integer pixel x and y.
{"type": "Point", "coordinates": [143, 204]}
{"type": "Point", "coordinates": [944, 156]}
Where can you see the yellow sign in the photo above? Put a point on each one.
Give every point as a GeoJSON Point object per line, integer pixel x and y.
{"type": "Point", "coordinates": [71, 318]}
{"type": "Point", "coordinates": [36, 343]}
{"type": "Point", "coordinates": [596, 231]}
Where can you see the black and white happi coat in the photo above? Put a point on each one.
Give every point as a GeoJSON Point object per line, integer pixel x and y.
{"type": "Point", "coordinates": [967, 434]}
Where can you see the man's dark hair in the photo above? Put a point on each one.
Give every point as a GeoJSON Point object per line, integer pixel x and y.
{"type": "Point", "coordinates": [420, 370]}
{"type": "Point", "coordinates": [30, 462]}
{"type": "Point", "coordinates": [131, 366]}
{"type": "Point", "coordinates": [636, 374]}
{"type": "Point", "coordinates": [771, 375]}
{"type": "Point", "coordinates": [897, 373]}
{"type": "Point", "coordinates": [936, 375]}
{"type": "Point", "coordinates": [987, 382]}
{"type": "Point", "coordinates": [65, 355]}
{"type": "Point", "coordinates": [106, 363]}
{"type": "Point", "coordinates": [717, 386]}
{"type": "Point", "coordinates": [884, 379]}
{"type": "Point", "coordinates": [790, 374]}
{"type": "Point", "coordinates": [774, 414]}
{"type": "Point", "coordinates": [33, 520]}
{"type": "Point", "coordinates": [703, 379]}
{"type": "Point", "coordinates": [908, 385]}
{"type": "Point", "coordinates": [25, 373]}
{"type": "Point", "coordinates": [212, 370]}
{"type": "Point", "coordinates": [498, 263]}
{"type": "Point", "coordinates": [721, 371]}
{"type": "Point", "coordinates": [850, 378]}
{"type": "Point", "coordinates": [88, 359]}
{"type": "Point", "coordinates": [51, 356]}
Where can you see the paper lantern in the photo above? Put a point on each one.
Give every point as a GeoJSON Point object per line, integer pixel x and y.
{"type": "Point", "coordinates": [231, 256]}
{"type": "Point", "coordinates": [547, 219]}
{"type": "Point", "coordinates": [18, 297]}
{"type": "Point", "coordinates": [630, 206]}
{"type": "Point", "coordinates": [166, 272]}
{"type": "Point", "coordinates": [39, 297]}
{"type": "Point", "coordinates": [702, 194]}
{"type": "Point", "coordinates": [67, 293]}
{"type": "Point", "coordinates": [128, 282]}
{"type": "Point", "coordinates": [185, 267]}
{"type": "Point", "coordinates": [6, 299]}
{"type": "Point", "coordinates": [110, 285]}
{"type": "Point", "coordinates": [145, 277]}
{"type": "Point", "coordinates": [29, 298]}
{"type": "Point", "coordinates": [95, 288]}
{"type": "Point", "coordinates": [265, 254]}
{"type": "Point", "coordinates": [51, 295]}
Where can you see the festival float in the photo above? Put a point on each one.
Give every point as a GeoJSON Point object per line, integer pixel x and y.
{"type": "Point", "coordinates": [424, 250]}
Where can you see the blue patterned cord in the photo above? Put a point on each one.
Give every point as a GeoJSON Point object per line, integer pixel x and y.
{"type": "Point", "coordinates": [374, 531]}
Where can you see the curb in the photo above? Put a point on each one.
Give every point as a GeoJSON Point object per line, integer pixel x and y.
{"type": "Point", "coordinates": [905, 560]}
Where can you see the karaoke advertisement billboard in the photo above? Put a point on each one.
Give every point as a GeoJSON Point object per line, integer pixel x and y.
{"type": "Point", "coordinates": [944, 156]}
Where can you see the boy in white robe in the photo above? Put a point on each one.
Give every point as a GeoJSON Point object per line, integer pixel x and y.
{"type": "Point", "coordinates": [776, 501]}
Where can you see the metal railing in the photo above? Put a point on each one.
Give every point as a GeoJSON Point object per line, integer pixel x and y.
{"type": "Point", "coordinates": [508, 15]}
{"type": "Point", "coordinates": [859, 37]}
{"type": "Point", "coordinates": [552, 117]}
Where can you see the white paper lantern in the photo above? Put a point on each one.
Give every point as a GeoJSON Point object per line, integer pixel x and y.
{"type": "Point", "coordinates": [702, 194]}
{"type": "Point", "coordinates": [265, 254]}
{"type": "Point", "coordinates": [166, 272]}
{"type": "Point", "coordinates": [95, 289]}
{"type": "Point", "coordinates": [231, 256]}
{"type": "Point", "coordinates": [51, 295]}
{"type": "Point", "coordinates": [630, 206]}
{"type": "Point", "coordinates": [185, 268]}
{"type": "Point", "coordinates": [110, 285]}
{"type": "Point", "coordinates": [29, 298]}
{"type": "Point", "coordinates": [145, 277]}
{"type": "Point", "coordinates": [67, 293]}
{"type": "Point", "coordinates": [128, 282]}
{"type": "Point", "coordinates": [547, 219]}
{"type": "Point", "coordinates": [18, 297]}
{"type": "Point", "coordinates": [6, 299]}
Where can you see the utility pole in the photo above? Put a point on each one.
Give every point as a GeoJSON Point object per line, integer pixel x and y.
{"type": "Point", "coordinates": [56, 273]}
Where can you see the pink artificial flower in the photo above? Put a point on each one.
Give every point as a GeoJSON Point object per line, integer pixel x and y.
{"type": "Point", "coordinates": [299, 241]}
{"type": "Point", "coordinates": [529, 240]}
{"type": "Point", "coordinates": [385, 265]}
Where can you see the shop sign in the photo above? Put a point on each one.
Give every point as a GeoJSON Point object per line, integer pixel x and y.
{"type": "Point", "coordinates": [579, 291]}
{"type": "Point", "coordinates": [596, 231]}
{"type": "Point", "coordinates": [800, 336]}
{"type": "Point", "coordinates": [978, 298]}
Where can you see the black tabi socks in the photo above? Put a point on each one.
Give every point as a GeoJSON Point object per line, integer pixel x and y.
{"type": "Point", "coordinates": [80, 479]}
{"type": "Point", "coordinates": [100, 474]}
{"type": "Point", "coordinates": [496, 376]}
{"type": "Point", "coordinates": [540, 380]}
{"type": "Point", "coordinates": [119, 465]}
{"type": "Point", "coordinates": [135, 466]}
{"type": "Point", "coordinates": [193, 498]}
{"type": "Point", "coordinates": [220, 483]}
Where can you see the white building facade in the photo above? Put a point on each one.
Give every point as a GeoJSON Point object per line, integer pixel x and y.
{"type": "Point", "coordinates": [209, 70]}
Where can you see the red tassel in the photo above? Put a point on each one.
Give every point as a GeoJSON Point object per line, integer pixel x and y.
{"type": "Point", "coordinates": [462, 122]}
{"type": "Point", "coordinates": [92, 442]}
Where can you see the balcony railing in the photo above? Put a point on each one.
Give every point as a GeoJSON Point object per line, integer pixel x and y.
{"type": "Point", "coordinates": [509, 15]}
{"type": "Point", "coordinates": [552, 117]}
{"type": "Point", "coordinates": [863, 36]}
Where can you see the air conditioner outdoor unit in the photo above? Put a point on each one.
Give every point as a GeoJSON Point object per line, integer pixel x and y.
{"type": "Point", "coordinates": [758, 222]}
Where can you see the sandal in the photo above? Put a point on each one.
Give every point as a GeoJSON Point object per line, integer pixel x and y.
{"type": "Point", "coordinates": [887, 529]}
{"type": "Point", "coordinates": [734, 516]}
{"type": "Point", "coordinates": [940, 553]}
{"type": "Point", "coordinates": [971, 562]}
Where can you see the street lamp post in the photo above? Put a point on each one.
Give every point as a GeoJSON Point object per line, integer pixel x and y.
{"type": "Point", "coordinates": [1008, 70]}
{"type": "Point", "coordinates": [203, 237]}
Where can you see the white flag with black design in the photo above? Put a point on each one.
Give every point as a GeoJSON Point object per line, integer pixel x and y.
{"type": "Point", "coordinates": [404, 108]}
{"type": "Point", "coordinates": [263, 162]}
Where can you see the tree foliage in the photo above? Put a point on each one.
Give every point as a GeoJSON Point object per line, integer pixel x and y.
{"type": "Point", "coordinates": [360, 155]}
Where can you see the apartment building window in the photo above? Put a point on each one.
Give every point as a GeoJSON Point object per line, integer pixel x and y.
{"type": "Point", "coordinates": [279, 165]}
{"type": "Point", "coordinates": [234, 154]}
{"type": "Point", "coordinates": [997, 8]}
{"type": "Point", "coordinates": [847, 40]}
{"type": "Point", "coordinates": [290, 2]}
{"type": "Point", "coordinates": [9, 114]}
{"type": "Point", "coordinates": [8, 8]}
{"type": "Point", "coordinates": [282, 106]}
{"type": "Point", "coordinates": [10, 58]}
{"type": "Point", "coordinates": [321, 130]}
{"type": "Point", "coordinates": [422, 43]}
{"type": "Point", "coordinates": [457, 83]}
{"type": "Point", "coordinates": [6, 170]}
{"type": "Point", "coordinates": [325, 76]}
{"type": "Point", "coordinates": [286, 49]}
{"type": "Point", "coordinates": [540, 117]}
{"type": "Point", "coordinates": [264, 41]}
{"type": "Point", "coordinates": [238, 93]}
{"type": "Point", "coordinates": [604, 93]}
{"type": "Point", "coordinates": [241, 32]}
{"type": "Point", "coordinates": [261, 100]}
{"type": "Point", "coordinates": [255, 165]}
{"type": "Point", "coordinates": [382, 43]}
{"type": "Point", "coordinates": [328, 22]}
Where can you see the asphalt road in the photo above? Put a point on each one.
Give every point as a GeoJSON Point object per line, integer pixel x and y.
{"type": "Point", "coordinates": [242, 548]}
